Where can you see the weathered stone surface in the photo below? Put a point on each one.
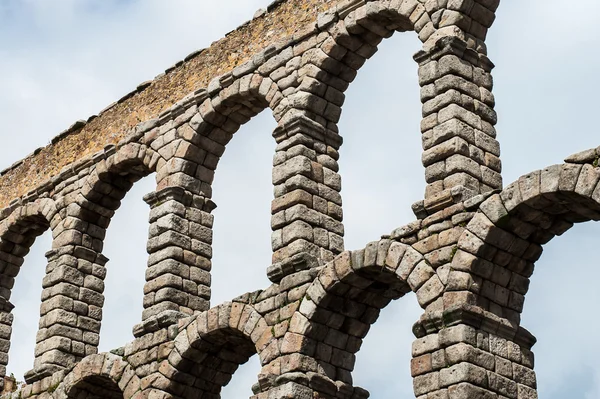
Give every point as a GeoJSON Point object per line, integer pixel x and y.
{"type": "Point", "coordinates": [468, 257]}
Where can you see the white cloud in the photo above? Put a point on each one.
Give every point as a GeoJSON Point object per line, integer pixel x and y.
{"type": "Point", "coordinates": [594, 392]}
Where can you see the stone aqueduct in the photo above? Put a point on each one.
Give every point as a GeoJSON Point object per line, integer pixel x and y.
{"type": "Point", "coordinates": [468, 256]}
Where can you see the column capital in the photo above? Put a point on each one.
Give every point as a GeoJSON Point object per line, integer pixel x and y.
{"type": "Point", "coordinates": [452, 45]}
{"type": "Point", "coordinates": [299, 123]}
{"type": "Point", "coordinates": [474, 316]}
{"type": "Point", "coordinates": [166, 194]}
{"type": "Point", "coordinates": [78, 252]}
{"type": "Point", "coordinates": [181, 195]}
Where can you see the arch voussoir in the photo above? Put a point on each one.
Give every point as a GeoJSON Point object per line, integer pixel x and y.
{"type": "Point", "coordinates": [100, 376]}
{"type": "Point", "coordinates": [338, 308]}
{"type": "Point", "coordinates": [210, 347]}
{"type": "Point", "coordinates": [76, 266]}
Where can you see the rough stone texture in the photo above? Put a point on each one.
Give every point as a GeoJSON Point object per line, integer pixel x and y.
{"type": "Point", "coordinates": [261, 37]}
{"type": "Point", "coordinates": [468, 256]}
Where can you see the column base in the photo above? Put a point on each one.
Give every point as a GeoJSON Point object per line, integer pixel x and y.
{"type": "Point", "coordinates": [293, 264]}
{"type": "Point", "coordinates": [43, 371]}
{"type": "Point", "coordinates": [157, 322]}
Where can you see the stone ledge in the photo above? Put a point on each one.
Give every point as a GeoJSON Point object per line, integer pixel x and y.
{"type": "Point", "coordinates": [474, 317]}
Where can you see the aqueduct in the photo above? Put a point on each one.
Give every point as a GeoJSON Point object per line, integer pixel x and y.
{"type": "Point", "coordinates": [468, 256]}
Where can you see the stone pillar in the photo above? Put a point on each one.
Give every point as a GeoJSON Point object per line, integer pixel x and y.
{"type": "Point", "coordinates": [71, 309]}
{"type": "Point", "coordinates": [6, 320]}
{"type": "Point", "coordinates": [475, 356]}
{"type": "Point", "coordinates": [180, 252]}
{"type": "Point", "coordinates": [461, 153]}
{"type": "Point", "coordinates": [307, 209]}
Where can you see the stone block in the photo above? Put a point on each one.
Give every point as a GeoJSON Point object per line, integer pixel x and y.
{"type": "Point", "coordinates": [421, 365]}
{"type": "Point", "coordinates": [502, 385]}
{"type": "Point", "coordinates": [430, 291]}
{"type": "Point", "coordinates": [463, 372]}
{"type": "Point", "coordinates": [467, 391]}
{"type": "Point", "coordinates": [420, 275]}
{"type": "Point", "coordinates": [458, 334]}
{"type": "Point", "coordinates": [426, 383]}
{"type": "Point", "coordinates": [455, 145]}
{"type": "Point", "coordinates": [524, 375]}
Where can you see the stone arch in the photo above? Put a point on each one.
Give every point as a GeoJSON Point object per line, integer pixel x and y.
{"type": "Point", "coordinates": [190, 140]}
{"type": "Point", "coordinates": [350, 35]}
{"type": "Point", "coordinates": [491, 270]}
{"type": "Point", "coordinates": [344, 300]}
{"type": "Point", "coordinates": [454, 75]}
{"type": "Point", "coordinates": [461, 154]}
{"type": "Point", "coordinates": [231, 100]}
{"type": "Point", "coordinates": [18, 232]}
{"type": "Point", "coordinates": [241, 98]}
{"type": "Point", "coordinates": [100, 376]}
{"type": "Point", "coordinates": [210, 347]}
{"type": "Point", "coordinates": [505, 238]}
{"type": "Point", "coordinates": [72, 299]}
{"type": "Point", "coordinates": [107, 184]}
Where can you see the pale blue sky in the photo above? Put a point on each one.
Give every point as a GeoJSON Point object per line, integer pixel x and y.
{"type": "Point", "coordinates": [63, 60]}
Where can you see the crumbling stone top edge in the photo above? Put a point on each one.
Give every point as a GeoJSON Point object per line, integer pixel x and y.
{"type": "Point", "coordinates": [149, 99]}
